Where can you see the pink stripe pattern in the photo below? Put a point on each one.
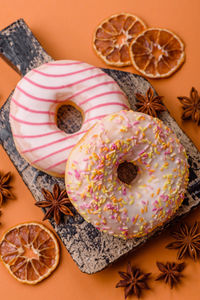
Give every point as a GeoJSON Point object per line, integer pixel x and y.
{"type": "Point", "coordinates": [92, 87]}
{"type": "Point", "coordinates": [71, 97]}
{"type": "Point", "coordinates": [35, 136]}
{"type": "Point", "coordinates": [65, 64]}
{"type": "Point", "coordinates": [34, 97]}
{"type": "Point", "coordinates": [56, 164]}
{"type": "Point", "coordinates": [53, 153]}
{"type": "Point", "coordinates": [54, 142]}
{"type": "Point", "coordinates": [50, 85]}
{"type": "Point", "coordinates": [62, 86]}
{"type": "Point", "coordinates": [106, 104]}
{"type": "Point", "coordinates": [32, 110]}
{"type": "Point", "coordinates": [95, 118]}
{"type": "Point", "coordinates": [101, 95]}
{"type": "Point", "coordinates": [63, 75]}
{"type": "Point", "coordinates": [30, 123]}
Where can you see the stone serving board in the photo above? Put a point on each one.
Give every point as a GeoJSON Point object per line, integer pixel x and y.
{"type": "Point", "coordinates": [90, 249]}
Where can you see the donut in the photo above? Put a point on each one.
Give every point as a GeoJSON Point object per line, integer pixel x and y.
{"type": "Point", "coordinates": [132, 209]}
{"type": "Point", "coordinates": [39, 95]}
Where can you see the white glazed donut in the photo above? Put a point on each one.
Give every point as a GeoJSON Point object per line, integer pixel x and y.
{"type": "Point", "coordinates": [134, 209]}
{"type": "Point", "coordinates": [37, 98]}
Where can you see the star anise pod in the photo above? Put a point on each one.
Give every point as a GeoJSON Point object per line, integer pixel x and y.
{"type": "Point", "coordinates": [187, 241]}
{"type": "Point", "coordinates": [134, 281]}
{"type": "Point", "coordinates": [170, 272]}
{"type": "Point", "coordinates": [55, 202]}
{"type": "Point", "coordinates": [191, 106]}
{"type": "Point", "coordinates": [5, 192]}
{"type": "Point", "coordinates": [149, 104]}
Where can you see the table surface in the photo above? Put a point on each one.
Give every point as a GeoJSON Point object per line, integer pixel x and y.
{"type": "Point", "coordinates": [65, 29]}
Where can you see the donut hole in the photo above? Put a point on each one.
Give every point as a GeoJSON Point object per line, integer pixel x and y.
{"type": "Point", "coordinates": [127, 171]}
{"type": "Point", "coordinates": [69, 118]}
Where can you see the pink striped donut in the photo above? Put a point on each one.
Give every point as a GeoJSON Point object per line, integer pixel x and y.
{"type": "Point", "coordinates": [34, 105]}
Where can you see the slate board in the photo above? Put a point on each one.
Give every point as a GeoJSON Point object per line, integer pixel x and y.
{"type": "Point", "coordinates": [90, 249]}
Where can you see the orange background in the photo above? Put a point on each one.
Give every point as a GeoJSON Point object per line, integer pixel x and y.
{"type": "Point", "coordinates": [65, 30]}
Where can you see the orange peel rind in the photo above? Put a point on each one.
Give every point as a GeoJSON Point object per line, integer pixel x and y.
{"type": "Point", "coordinates": [157, 53]}
{"type": "Point", "coordinates": [113, 36]}
{"type": "Point", "coordinates": [30, 252]}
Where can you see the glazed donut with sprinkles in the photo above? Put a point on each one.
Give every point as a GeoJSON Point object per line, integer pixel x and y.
{"type": "Point", "coordinates": [116, 207]}
{"type": "Point", "coordinates": [35, 102]}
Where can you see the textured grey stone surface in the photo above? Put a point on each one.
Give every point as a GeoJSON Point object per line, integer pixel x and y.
{"type": "Point", "coordinates": [90, 249]}
{"type": "Point", "coordinates": [20, 48]}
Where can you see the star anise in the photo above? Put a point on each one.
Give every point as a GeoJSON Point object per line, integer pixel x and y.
{"type": "Point", "coordinates": [187, 241]}
{"type": "Point", "coordinates": [191, 106]}
{"type": "Point", "coordinates": [5, 192]}
{"type": "Point", "coordinates": [134, 281]}
{"type": "Point", "coordinates": [149, 104]}
{"type": "Point", "coordinates": [170, 272]}
{"type": "Point", "coordinates": [55, 202]}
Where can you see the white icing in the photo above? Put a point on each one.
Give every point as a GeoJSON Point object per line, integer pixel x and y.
{"type": "Point", "coordinates": [151, 198]}
{"type": "Point", "coordinates": [87, 88]}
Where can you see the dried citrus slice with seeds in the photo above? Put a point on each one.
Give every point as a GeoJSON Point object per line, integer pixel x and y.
{"type": "Point", "coordinates": [113, 36]}
{"type": "Point", "coordinates": [30, 252]}
{"type": "Point", "coordinates": [157, 53]}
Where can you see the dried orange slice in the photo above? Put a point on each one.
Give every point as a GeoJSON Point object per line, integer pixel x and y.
{"type": "Point", "coordinates": [30, 252]}
{"type": "Point", "coordinates": [157, 53]}
{"type": "Point", "coordinates": [113, 36]}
